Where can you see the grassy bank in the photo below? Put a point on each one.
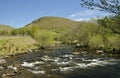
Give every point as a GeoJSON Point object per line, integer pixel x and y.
{"type": "Point", "coordinates": [16, 44]}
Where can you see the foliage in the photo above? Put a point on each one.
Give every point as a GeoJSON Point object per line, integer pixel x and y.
{"type": "Point", "coordinates": [111, 22]}
{"type": "Point", "coordinates": [86, 33]}
{"type": "Point", "coordinates": [5, 30]}
{"type": "Point", "coordinates": [68, 36]}
{"type": "Point", "coordinates": [62, 27]}
{"type": "Point", "coordinates": [20, 32]}
{"type": "Point", "coordinates": [44, 37]}
{"type": "Point", "coordinates": [96, 41]}
{"type": "Point", "coordinates": [47, 31]}
{"type": "Point", "coordinates": [32, 30]}
{"type": "Point", "coordinates": [86, 30]}
{"type": "Point", "coordinates": [111, 6]}
{"type": "Point", "coordinates": [114, 41]}
{"type": "Point", "coordinates": [16, 44]}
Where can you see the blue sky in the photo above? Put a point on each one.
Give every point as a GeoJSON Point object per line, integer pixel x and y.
{"type": "Point", "coordinates": [18, 13]}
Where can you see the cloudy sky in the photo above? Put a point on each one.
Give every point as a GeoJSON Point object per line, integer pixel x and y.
{"type": "Point", "coordinates": [18, 13]}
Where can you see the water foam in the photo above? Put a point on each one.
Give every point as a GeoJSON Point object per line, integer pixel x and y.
{"type": "Point", "coordinates": [26, 64]}
{"type": "Point", "coordinates": [36, 72]}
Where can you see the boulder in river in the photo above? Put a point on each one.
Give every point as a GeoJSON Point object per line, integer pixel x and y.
{"type": "Point", "coordinates": [10, 72]}
{"type": "Point", "coordinates": [15, 68]}
{"type": "Point", "coordinates": [1, 68]}
{"type": "Point", "coordinates": [76, 53]}
{"type": "Point", "coordinates": [99, 51]}
{"type": "Point", "coordinates": [2, 61]}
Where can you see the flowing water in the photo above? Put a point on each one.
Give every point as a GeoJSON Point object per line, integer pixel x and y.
{"type": "Point", "coordinates": [60, 63]}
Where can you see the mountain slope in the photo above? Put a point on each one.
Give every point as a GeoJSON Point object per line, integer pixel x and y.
{"type": "Point", "coordinates": [5, 27]}
{"type": "Point", "coordinates": [53, 23]}
{"type": "Point", "coordinates": [5, 30]}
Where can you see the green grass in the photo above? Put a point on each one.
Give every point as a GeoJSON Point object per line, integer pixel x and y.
{"type": "Point", "coordinates": [18, 44]}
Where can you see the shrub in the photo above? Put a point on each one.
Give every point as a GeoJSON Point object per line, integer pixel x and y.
{"type": "Point", "coordinates": [44, 37]}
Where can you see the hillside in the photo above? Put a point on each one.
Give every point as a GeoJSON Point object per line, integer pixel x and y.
{"type": "Point", "coordinates": [5, 30]}
{"type": "Point", "coordinates": [5, 27]}
{"type": "Point", "coordinates": [53, 23]}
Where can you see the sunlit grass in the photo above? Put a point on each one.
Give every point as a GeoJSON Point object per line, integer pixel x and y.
{"type": "Point", "coordinates": [16, 44]}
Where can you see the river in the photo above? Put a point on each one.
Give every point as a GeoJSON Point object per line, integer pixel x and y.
{"type": "Point", "coordinates": [60, 63]}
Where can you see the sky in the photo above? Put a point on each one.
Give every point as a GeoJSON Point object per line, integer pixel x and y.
{"type": "Point", "coordinates": [18, 13]}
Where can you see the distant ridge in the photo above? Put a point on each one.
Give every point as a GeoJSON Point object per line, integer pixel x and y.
{"type": "Point", "coordinates": [5, 27]}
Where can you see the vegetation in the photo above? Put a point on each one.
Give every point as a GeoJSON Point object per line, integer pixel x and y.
{"type": "Point", "coordinates": [110, 25]}
{"type": "Point", "coordinates": [111, 22]}
{"type": "Point", "coordinates": [56, 24]}
{"type": "Point", "coordinates": [5, 30]}
{"type": "Point", "coordinates": [111, 6]}
{"type": "Point", "coordinates": [16, 44]}
{"type": "Point", "coordinates": [44, 38]}
{"type": "Point", "coordinates": [48, 31]}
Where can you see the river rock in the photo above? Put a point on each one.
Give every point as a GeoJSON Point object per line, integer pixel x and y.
{"type": "Point", "coordinates": [76, 53]}
{"type": "Point", "coordinates": [15, 68]}
{"type": "Point", "coordinates": [1, 68]}
{"type": "Point", "coordinates": [2, 61]}
{"type": "Point", "coordinates": [83, 52]}
{"type": "Point", "coordinates": [30, 51]}
{"type": "Point", "coordinates": [99, 51]}
{"type": "Point", "coordinates": [10, 72]}
{"type": "Point", "coordinates": [4, 76]}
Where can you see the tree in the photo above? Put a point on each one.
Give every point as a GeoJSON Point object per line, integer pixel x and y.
{"type": "Point", "coordinates": [44, 38]}
{"type": "Point", "coordinates": [33, 30]}
{"type": "Point", "coordinates": [85, 31]}
{"type": "Point", "coordinates": [69, 36]}
{"type": "Point", "coordinates": [111, 22]}
{"type": "Point", "coordinates": [111, 6]}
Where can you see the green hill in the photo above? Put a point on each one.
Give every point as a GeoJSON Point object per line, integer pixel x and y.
{"type": "Point", "coordinates": [53, 23]}
{"type": "Point", "coordinates": [5, 29]}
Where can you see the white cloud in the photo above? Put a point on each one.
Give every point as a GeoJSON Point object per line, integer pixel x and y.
{"type": "Point", "coordinates": [87, 14]}
{"type": "Point", "coordinates": [81, 19]}
{"type": "Point", "coordinates": [73, 15]}
{"type": "Point", "coordinates": [83, 13]}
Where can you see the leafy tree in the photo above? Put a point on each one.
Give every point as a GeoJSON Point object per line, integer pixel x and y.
{"type": "Point", "coordinates": [14, 32]}
{"type": "Point", "coordinates": [4, 33]}
{"type": "Point", "coordinates": [5, 30]}
{"type": "Point", "coordinates": [86, 30]}
{"type": "Point", "coordinates": [96, 41]}
{"type": "Point", "coordinates": [69, 36]}
{"type": "Point", "coordinates": [111, 6]}
{"type": "Point", "coordinates": [44, 37]}
{"type": "Point", "coordinates": [111, 22]}
{"type": "Point", "coordinates": [23, 31]}
{"type": "Point", "coordinates": [33, 30]}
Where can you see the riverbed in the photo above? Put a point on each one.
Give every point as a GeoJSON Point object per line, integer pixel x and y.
{"type": "Point", "coordinates": [60, 63]}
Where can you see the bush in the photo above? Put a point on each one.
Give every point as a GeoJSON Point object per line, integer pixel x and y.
{"type": "Point", "coordinates": [44, 37]}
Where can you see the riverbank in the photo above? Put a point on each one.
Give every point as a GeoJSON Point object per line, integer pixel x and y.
{"type": "Point", "coordinates": [16, 44]}
{"type": "Point", "coordinates": [78, 50]}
